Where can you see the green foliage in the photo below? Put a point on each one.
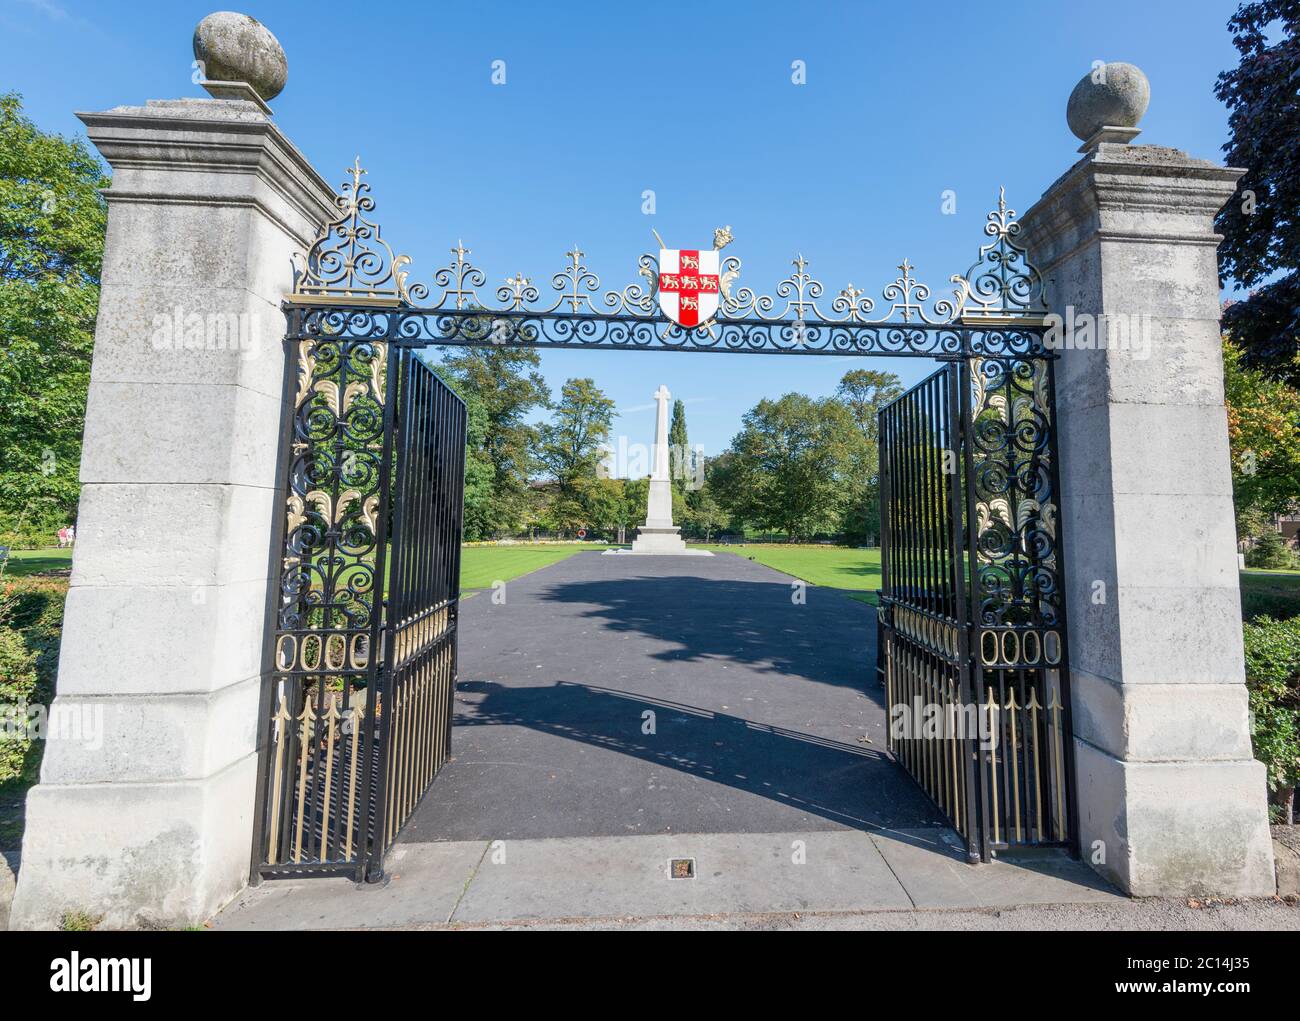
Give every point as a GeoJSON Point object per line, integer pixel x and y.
{"type": "Point", "coordinates": [703, 517]}
{"type": "Point", "coordinates": [796, 466]}
{"type": "Point", "coordinates": [636, 495]}
{"type": "Point", "coordinates": [479, 474]}
{"type": "Point", "coordinates": [31, 620]}
{"type": "Point", "coordinates": [1264, 433]}
{"type": "Point", "coordinates": [18, 681]}
{"type": "Point", "coordinates": [52, 220]}
{"type": "Point", "coordinates": [1259, 224]}
{"type": "Point", "coordinates": [79, 921]}
{"type": "Point", "coordinates": [501, 388]}
{"type": "Point", "coordinates": [864, 392]}
{"type": "Point", "coordinates": [1271, 553]}
{"type": "Point", "coordinates": [571, 445]}
{"type": "Point", "coordinates": [602, 503]}
{"type": "Point", "coordinates": [679, 462]}
{"type": "Point", "coordinates": [1273, 681]}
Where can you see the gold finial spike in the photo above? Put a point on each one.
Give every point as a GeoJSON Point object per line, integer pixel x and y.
{"type": "Point", "coordinates": [722, 237]}
{"type": "Point", "coordinates": [662, 246]}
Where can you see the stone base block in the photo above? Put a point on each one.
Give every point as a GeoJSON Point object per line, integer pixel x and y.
{"type": "Point", "coordinates": [658, 540]}
{"type": "Point", "coordinates": [152, 855]}
{"type": "Point", "coordinates": [1175, 829]}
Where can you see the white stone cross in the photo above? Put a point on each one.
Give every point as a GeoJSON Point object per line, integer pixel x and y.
{"type": "Point", "coordinates": [659, 465]}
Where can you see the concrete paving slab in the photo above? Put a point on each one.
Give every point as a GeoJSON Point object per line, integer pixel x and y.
{"type": "Point", "coordinates": [1123, 915]}
{"type": "Point", "coordinates": [931, 866]}
{"type": "Point", "coordinates": [557, 880]}
{"type": "Point", "coordinates": [613, 876]}
{"type": "Point", "coordinates": [422, 887]}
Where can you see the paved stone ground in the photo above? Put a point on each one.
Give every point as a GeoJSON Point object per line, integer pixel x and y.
{"type": "Point", "coordinates": [1128, 916]}
{"type": "Point", "coordinates": [611, 881]}
{"type": "Point", "coordinates": [760, 706]}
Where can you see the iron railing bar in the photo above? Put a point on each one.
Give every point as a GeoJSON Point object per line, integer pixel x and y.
{"type": "Point", "coordinates": [1062, 622]}
{"type": "Point", "coordinates": [964, 540]}
{"type": "Point", "coordinates": [370, 858]}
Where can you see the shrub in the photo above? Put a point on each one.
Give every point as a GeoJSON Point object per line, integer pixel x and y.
{"type": "Point", "coordinates": [1270, 553]}
{"type": "Point", "coordinates": [1273, 681]}
{"type": "Point", "coordinates": [31, 620]}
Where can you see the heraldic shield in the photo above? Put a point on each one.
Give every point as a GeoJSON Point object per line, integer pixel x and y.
{"type": "Point", "coordinates": [688, 285]}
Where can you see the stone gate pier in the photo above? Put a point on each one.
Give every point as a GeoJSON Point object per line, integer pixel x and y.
{"type": "Point", "coordinates": [164, 621]}
{"type": "Point", "coordinates": [1171, 801]}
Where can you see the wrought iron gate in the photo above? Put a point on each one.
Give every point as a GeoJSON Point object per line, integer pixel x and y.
{"type": "Point", "coordinates": [971, 620]}
{"type": "Point", "coordinates": [360, 657]}
{"type": "Point", "coordinates": [356, 718]}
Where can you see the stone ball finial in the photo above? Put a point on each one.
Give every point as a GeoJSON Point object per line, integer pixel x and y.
{"type": "Point", "coordinates": [236, 48]}
{"type": "Point", "coordinates": [1107, 104]}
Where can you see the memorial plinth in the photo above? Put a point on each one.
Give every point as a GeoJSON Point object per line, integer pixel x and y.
{"type": "Point", "coordinates": [659, 536]}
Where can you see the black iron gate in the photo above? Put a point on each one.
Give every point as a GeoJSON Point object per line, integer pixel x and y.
{"type": "Point", "coordinates": [361, 654]}
{"type": "Point", "coordinates": [971, 647]}
{"type": "Point", "coordinates": [360, 657]}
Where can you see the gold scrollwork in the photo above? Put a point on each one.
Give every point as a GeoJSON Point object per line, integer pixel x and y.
{"type": "Point", "coordinates": [349, 261]}
{"type": "Point", "coordinates": [1020, 647]}
{"type": "Point", "coordinates": [1002, 285]}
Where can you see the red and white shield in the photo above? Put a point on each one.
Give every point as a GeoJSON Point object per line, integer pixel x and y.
{"type": "Point", "coordinates": [688, 285]}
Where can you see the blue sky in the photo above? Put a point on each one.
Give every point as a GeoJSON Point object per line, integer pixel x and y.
{"type": "Point", "coordinates": [603, 101]}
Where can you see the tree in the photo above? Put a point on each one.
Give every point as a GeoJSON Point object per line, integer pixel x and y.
{"type": "Point", "coordinates": [704, 515]}
{"type": "Point", "coordinates": [52, 221]}
{"type": "Point", "coordinates": [1270, 552]}
{"type": "Point", "coordinates": [795, 466]}
{"type": "Point", "coordinates": [479, 515]}
{"type": "Point", "coordinates": [1264, 435]}
{"type": "Point", "coordinates": [864, 392]}
{"type": "Point", "coordinates": [602, 503]}
{"type": "Point", "coordinates": [678, 451]}
{"type": "Point", "coordinates": [572, 444]}
{"type": "Point", "coordinates": [636, 496]}
{"type": "Point", "coordinates": [504, 384]}
{"type": "Point", "coordinates": [1261, 234]}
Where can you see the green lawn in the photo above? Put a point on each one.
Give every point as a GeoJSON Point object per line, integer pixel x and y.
{"type": "Point", "coordinates": [24, 562]}
{"type": "Point", "coordinates": [480, 566]}
{"type": "Point", "coordinates": [1274, 593]}
{"type": "Point", "coordinates": [855, 570]}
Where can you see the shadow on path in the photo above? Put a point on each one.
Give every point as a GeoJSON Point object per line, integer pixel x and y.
{"type": "Point", "coordinates": [847, 785]}
{"type": "Point", "coordinates": [741, 621]}
{"type": "Point", "coordinates": [765, 714]}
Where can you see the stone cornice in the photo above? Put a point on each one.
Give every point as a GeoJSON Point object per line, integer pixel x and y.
{"type": "Point", "coordinates": [1132, 193]}
{"type": "Point", "coordinates": [190, 141]}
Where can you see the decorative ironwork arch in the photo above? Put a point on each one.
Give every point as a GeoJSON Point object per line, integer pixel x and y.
{"type": "Point", "coordinates": [350, 283]}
